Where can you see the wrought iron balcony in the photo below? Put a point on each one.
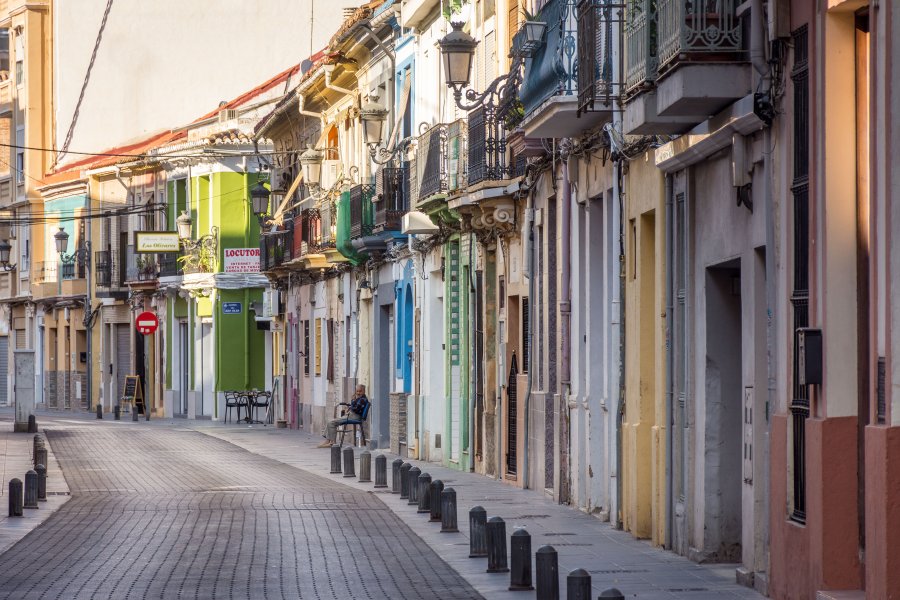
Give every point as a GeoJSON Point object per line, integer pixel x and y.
{"type": "Point", "coordinates": [486, 146]}
{"type": "Point", "coordinates": [140, 267]}
{"type": "Point", "coordinates": [168, 264]}
{"type": "Point", "coordinates": [103, 266]}
{"type": "Point", "coordinates": [641, 59]}
{"type": "Point", "coordinates": [361, 210]}
{"type": "Point", "coordinates": [275, 248]}
{"type": "Point", "coordinates": [318, 229]}
{"type": "Point", "coordinates": [692, 30]}
{"type": "Point", "coordinates": [596, 22]}
{"type": "Point", "coordinates": [432, 165]}
{"type": "Point", "coordinates": [72, 269]}
{"type": "Point", "coordinates": [392, 194]}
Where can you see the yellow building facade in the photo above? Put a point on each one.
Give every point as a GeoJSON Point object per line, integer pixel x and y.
{"type": "Point", "coordinates": [644, 421]}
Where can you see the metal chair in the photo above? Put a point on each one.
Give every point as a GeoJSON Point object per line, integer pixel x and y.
{"type": "Point", "coordinates": [233, 400]}
{"type": "Point", "coordinates": [356, 424]}
{"type": "Point", "coordinates": [261, 400]}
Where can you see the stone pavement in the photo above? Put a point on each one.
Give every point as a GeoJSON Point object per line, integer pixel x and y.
{"type": "Point", "coordinates": [613, 557]}
{"type": "Point", "coordinates": [159, 510]}
{"type": "Point", "coordinates": [15, 461]}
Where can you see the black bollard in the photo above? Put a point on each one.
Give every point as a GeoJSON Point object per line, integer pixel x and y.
{"type": "Point", "coordinates": [32, 424]}
{"type": "Point", "coordinates": [546, 564]}
{"type": "Point", "coordinates": [424, 493]}
{"type": "Point", "coordinates": [134, 416]}
{"type": "Point", "coordinates": [477, 533]}
{"type": "Point", "coordinates": [349, 470]}
{"type": "Point", "coordinates": [381, 471]}
{"type": "Point", "coordinates": [448, 511]}
{"type": "Point", "coordinates": [41, 457]}
{"type": "Point", "coordinates": [437, 486]}
{"type": "Point", "coordinates": [15, 497]}
{"type": "Point", "coordinates": [404, 480]}
{"type": "Point", "coordinates": [612, 594]}
{"type": "Point", "coordinates": [413, 476]}
{"type": "Point", "coordinates": [496, 545]}
{"type": "Point", "coordinates": [117, 412]}
{"type": "Point", "coordinates": [335, 458]}
{"type": "Point", "coordinates": [99, 411]}
{"type": "Point", "coordinates": [42, 482]}
{"type": "Point", "coordinates": [520, 561]}
{"type": "Point", "coordinates": [36, 442]}
{"type": "Point", "coordinates": [395, 475]}
{"type": "Point", "coordinates": [147, 413]}
{"type": "Point", "coordinates": [365, 466]}
{"type": "Point", "coordinates": [31, 489]}
{"type": "Point", "coordinates": [578, 585]}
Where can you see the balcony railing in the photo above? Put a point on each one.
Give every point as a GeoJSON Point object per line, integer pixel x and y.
{"type": "Point", "coordinates": [392, 194]}
{"type": "Point", "coordinates": [596, 21]}
{"type": "Point", "coordinates": [318, 229]}
{"type": "Point", "coordinates": [103, 266]}
{"type": "Point", "coordinates": [640, 44]}
{"type": "Point", "coordinates": [361, 210]}
{"type": "Point", "coordinates": [168, 264]}
{"type": "Point", "coordinates": [275, 248]}
{"type": "Point", "coordinates": [431, 163]}
{"type": "Point", "coordinates": [486, 146]}
{"type": "Point", "coordinates": [692, 29]}
{"type": "Point", "coordinates": [139, 266]}
{"type": "Point", "coordinates": [45, 272]}
{"type": "Point", "coordinates": [552, 69]}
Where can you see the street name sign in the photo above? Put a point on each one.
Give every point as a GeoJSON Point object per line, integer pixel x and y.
{"type": "Point", "coordinates": [231, 308]}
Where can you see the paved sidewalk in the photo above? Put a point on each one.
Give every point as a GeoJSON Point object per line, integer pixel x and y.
{"type": "Point", "coordinates": [15, 461]}
{"type": "Point", "coordinates": [613, 557]}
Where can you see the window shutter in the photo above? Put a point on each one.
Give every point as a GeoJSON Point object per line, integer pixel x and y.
{"type": "Point", "coordinates": [318, 334]}
{"type": "Point", "coordinates": [330, 368]}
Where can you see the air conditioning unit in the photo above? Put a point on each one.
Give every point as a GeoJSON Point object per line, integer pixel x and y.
{"type": "Point", "coordinates": [227, 114]}
{"type": "Point", "coordinates": [270, 303]}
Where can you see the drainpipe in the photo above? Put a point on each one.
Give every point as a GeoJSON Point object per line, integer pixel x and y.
{"type": "Point", "coordinates": [329, 70]}
{"type": "Point", "coordinates": [473, 366]}
{"type": "Point", "coordinates": [529, 273]}
{"type": "Point", "coordinates": [307, 113]}
{"type": "Point", "coordinates": [565, 317]}
{"type": "Point", "coordinates": [757, 40]}
{"type": "Point", "coordinates": [619, 193]}
{"type": "Point", "coordinates": [670, 395]}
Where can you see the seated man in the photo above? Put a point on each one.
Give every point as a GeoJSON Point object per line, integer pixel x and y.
{"type": "Point", "coordinates": [357, 407]}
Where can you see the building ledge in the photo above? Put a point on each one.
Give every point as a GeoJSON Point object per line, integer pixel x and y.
{"type": "Point", "coordinates": [709, 137]}
{"type": "Point", "coordinates": [557, 117]}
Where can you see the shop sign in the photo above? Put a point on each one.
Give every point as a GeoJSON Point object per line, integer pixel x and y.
{"type": "Point", "coordinates": [241, 260]}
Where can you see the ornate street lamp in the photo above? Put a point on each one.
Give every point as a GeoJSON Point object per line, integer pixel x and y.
{"type": "Point", "coordinates": [183, 226]}
{"type": "Point", "coordinates": [372, 117]}
{"type": "Point", "coordinates": [5, 249]}
{"type": "Point", "coordinates": [259, 200]}
{"type": "Point", "coordinates": [311, 163]}
{"type": "Point", "coordinates": [62, 241]}
{"type": "Point", "coordinates": [458, 51]}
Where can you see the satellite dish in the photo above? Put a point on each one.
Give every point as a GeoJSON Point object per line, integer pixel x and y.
{"type": "Point", "coordinates": [305, 66]}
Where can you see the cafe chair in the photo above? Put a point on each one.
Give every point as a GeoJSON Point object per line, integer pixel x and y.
{"type": "Point", "coordinates": [261, 400]}
{"type": "Point", "coordinates": [233, 400]}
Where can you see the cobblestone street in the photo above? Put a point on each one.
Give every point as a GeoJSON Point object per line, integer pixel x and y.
{"type": "Point", "coordinates": [165, 512]}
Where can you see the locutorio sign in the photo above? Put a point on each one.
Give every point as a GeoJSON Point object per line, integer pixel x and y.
{"type": "Point", "coordinates": [241, 260]}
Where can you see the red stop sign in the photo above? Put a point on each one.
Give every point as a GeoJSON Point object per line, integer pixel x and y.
{"type": "Point", "coordinates": [147, 323]}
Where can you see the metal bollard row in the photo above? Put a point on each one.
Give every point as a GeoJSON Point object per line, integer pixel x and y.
{"type": "Point", "coordinates": [99, 411]}
{"type": "Point", "coordinates": [396, 475]}
{"type": "Point", "coordinates": [32, 424]}
{"type": "Point", "coordinates": [15, 498]}
{"type": "Point", "coordinates": [546, 565]}
{"type": "Point", "coordinates": [365, 466]}
{"type": "Point", "coordinates": [349, 464]}
{"type": "Point", "coordinates": [520, 561]}
{"type": "Point", "coordinates": [31, 489]}
{"type": "Point", "coordinates": [448, 511]}
{"type": "Point", "coordinates": [404, 480]}
{"type": "Point", "coordinates": [335, 459]}
{"type": "Point", "coordinates": [413, 476]}
{"type": "Point", "coordinates": [424, 493]}
{"type": "Point", "coordinates": [41, 482]}
{"type": "Point", "coordinates": [496, 545]}
{"type": "Point", "coordinates": [437, 486]}
{"type": "Point", "coordinates": [477, 532]}
{"type": "Point", "coordinates": [381, 471]}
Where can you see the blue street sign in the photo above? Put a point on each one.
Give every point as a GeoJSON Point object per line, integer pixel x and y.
{"type": "Point", "coordinates": [231, 308]}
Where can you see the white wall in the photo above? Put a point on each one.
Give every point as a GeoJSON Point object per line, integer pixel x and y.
{"type": "Point", "coordinates": [164, 63]}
